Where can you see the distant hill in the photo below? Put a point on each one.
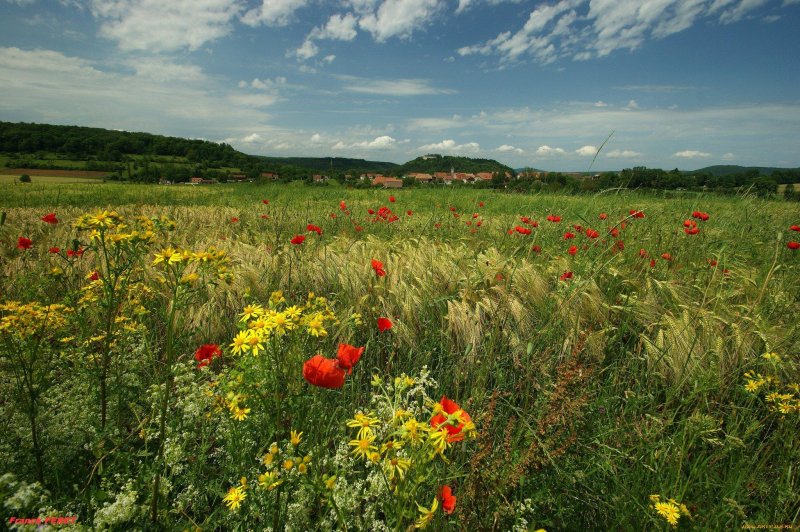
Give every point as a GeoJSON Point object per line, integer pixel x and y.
{"type": "Point", "coordinates": [337, 164]}
{"type": "Point", "coordinates": [443, 163]}
{"type": "Point", "coordinates": [728, 169]}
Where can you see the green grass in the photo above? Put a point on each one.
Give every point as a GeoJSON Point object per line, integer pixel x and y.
{"type": "Point", "coordinates": [589, 395]}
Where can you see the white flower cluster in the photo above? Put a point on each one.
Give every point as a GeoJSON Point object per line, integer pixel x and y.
{"type": "Point", "coordinates": [121, 511]}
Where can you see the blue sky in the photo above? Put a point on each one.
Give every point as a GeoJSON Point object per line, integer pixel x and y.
{"type": "Point", "coordinates": [681, 83]}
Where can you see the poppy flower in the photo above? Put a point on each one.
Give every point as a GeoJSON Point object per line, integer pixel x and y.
{"type": "Point", "coordinates": [75, 252]}
{"type": "Point", "coordinates": [378, 267]}
{"type": "Point", "coordinates": [437, 225]}
{"type": "Point", "coordinates": [573, 250]}
{"type": "Point", "coordinates": [614, 232]}
{"type": "Point", "coordinates": [636, 214]}
{"type": "Point", "coordinates": [384, 324]}
{"type": "Point", "coordinates": [371, 211]}
{"type": "Point", "coordinates": [359, 228]}
{"type": "Point", "coordinates": [700, 215]}
{"type": "Point", "coordinates": [652, 263]}
{"type": "Point", "coordinates": [565, 276]}
{"type": "Point", "coordinates": [689, 223]}
{"type": "Point", "coordinates": [50, 218]}
{"type": "Point", "coordinates": [298, 239]}
{"type": "Point", "coordinates": [643, 253]}
{"type": "Point", "coordinates": [391, 199]}
{"type": "Point", "coordinates": [620, 245]}
{"type": "Point", "coordinates": [455, 425]}
{"type": "Point", "coordinates": [348, 355]}
{"type": "Point", "coordinates": [24, 243]}
{"type": "Point", "coordinates": [478, 223]}
{"type": "Point", "coordinates": [591, 233]}
{"type": "Point", "coordinates": [793, 245]}
{"type": "Point", "coordinates": [692, 231]}
{"type": "Point", "coordinates": [314, 228]}
{"type": "Point", "coordinates": [94, 276]}
{"type": "Point", "coordinates": [666, 256]}
{"type": "Point", "coordinates": [536, 249]}
{"type": "Point", "coordinates": [474, 215]}
{"type": "Point", "coordinates": [522, 230]}
{"type": "Point", "coordinates": [603, 216]}
{"type": "Point", "coordinates": [264, 217]}
{"type": "Point", "coordinates": [481, 204]}
{"type": "Point", "coordinates": [553, 218]}
{"type": "Point", "coordinates": [333, 215]}
{"type": "Point", "coordinates": [447, 499]}
{"type": "Point", "coordinates": [323, 372]}
{"type": "Point", "coordinates": [795, 228]}
{"type": "Point", "coordinates": [568, 235]}
{"type": "Point", "coordinates": [265, 201]}
{"type": "Point", "coordinates": [54, 250]}
{"type": "Point", "coordinates": [453, 209]}
{"type": "Point", "coordinates": [234, 220]}
{"type": "Point", "coordinates": [342, 205]}
{"type": "Point", "coordinates": [205, 353]}
{"type": "Point", "coordinates": [409, 213]}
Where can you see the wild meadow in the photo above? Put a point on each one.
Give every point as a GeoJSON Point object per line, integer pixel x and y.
{"type": "Point", "coordinates": [289, 357]}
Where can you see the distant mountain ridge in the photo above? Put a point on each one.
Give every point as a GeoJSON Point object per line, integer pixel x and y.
{"type": "Point", "coordinates": [728, 169]}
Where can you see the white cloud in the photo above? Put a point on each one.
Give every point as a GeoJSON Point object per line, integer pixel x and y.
{"type": "Point", "coordinates": [316, 138]}
{"type": "Point", "coordinates": [547, 151]}
{"type": "Point", "coordinates": [339, 27]}
{"type": "Point", "coordinates": [253, 137]}
{"type": "Point", "coordinates": [600, 103]}
{"type": "Point", "coordinates": [584, 29]}
{"type": "Point", "coordinates": [307, 50]}
{"type": "Point", "coordinates": [450, 146]}
{"type": "Point", "coordinates": [265, 84]}
{"type": "Point", "coordinates": [586, 151]}
{"type": "Point", "coordinates": [160, 69]}
{"type": "Point", "coordinates": [623, 154]}
{"type": "Point", "coordinates": [691, 154]}
{"type": "Point", "coordinates": [632, 105]}
{"type": "Point", "coordinates": [253, 100]}
{"type": "Point", "coordinates": [329, 58]}
{"type": "Point", "coordinates": [398, 18]}
{"type": "Point", "coordinates": [392, 87]}
{"type": "Point", "coordinates": [729, 156]}
{"type": "Point", "coordinates": [384, 142]}
{"type": "Point", "coordinates": [505, 148]}
{"type": "Point", "coordinates": [159, 26]}
{"type": "Point", "coordinates": [273, 12]}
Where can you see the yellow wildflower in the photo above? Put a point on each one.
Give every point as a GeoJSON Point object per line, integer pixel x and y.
{"type": "Point", "coordinates": [234, 497]}
{"type": "Point", "coordinates": [295, 437]}
{"type": "Point", "coordinates": [426, 514]}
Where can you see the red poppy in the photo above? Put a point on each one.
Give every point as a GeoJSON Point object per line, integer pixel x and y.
{"type": "Point", "coordinates": [689, 223]}
{"type": "Point", "coordinates": [652, 263]}
{"type": "Point", "coordinates": [298, 239]}
{"type": "Point", "coordinates": [384, 324]}
{"type": "Point", "coordinates": [636, 214]}
{"type": "Point", "coordinates": [692, 231]}
{"type": "Point", "coordinates": [234, 220]}
{"type": "Point", "coordinates": [795, 228]}
{"type": "Point", "coordinates": [409, 213]}
{"type": "Point", "coordinates": [453, 209]}
{"type": "Point", "coordinates": [522, 230]}
{"type": "Point", "coordinates": [553, 218]}
{"type": "Point", "coordinates": [437, 225]}
{"type": "Point", "coordinates": [342, 205]}
{"type": "Point", "coordinates": [95, 276]}
{"type": "Point", "coordinates": [55, 250]}
{"type": "Point", "coordinates": [371, 211]}
{"type": "Point", "coordinates": [642, 253]}
{"type": "Point", "coordinates": [265, 201]}
{"type": "Point", "coordinates": [359, 228]}
{"type": "Point", "coordinates": [348, 355]}
{"type": "Point", "coordinates": [573, 250]}
{"type": "Point", "coordinates": [314, 228]}
{"type": "Point", "coordinates": [447, 498]}
{"type": "Point", "coordinates": [536, 249]}
{"type": "Point", "coordinates": [333, 215]}
{"type": "Point", "coordinates": [50, 218]}
{"type": "Point", "coordinates": [666, 256]}
{"type": "Point", "coordinates": [391, 199]}
{"type": "Point", "coordinates": [24, 243]}
{"type": "Point", "coordinates": [713, 263]}
{"type": "Point", "coordinates": [700, 215]}
{"type": "Point", "coordinates": [378, 267]}
{"type": "Point", "coordinates": [591, 233]}
{"type": "Point", "coordinates": [603, 216]}
{"type": "Point", "coordinates": [620, 245]}
{"type": "Point", "coordinates": [264, 217]}
{"type": "Point", "coordinates": [455, 426]}
{"type": "Point", "coordinates": [480, 204]}
{"type": "Point", "coordinates": [478, 223]}
{"type": "Point", "coordinates": [793, 245]}
{"type": "Point", "coordinates": [568, 235]}
{"type": "Point", "coordinates": [205, 353]}
{"type": "Point", "coordinates": [474, 215]}
{"type": "Point", "coordinates": [614, 232]}
{"type": "Point", "coordinates": [565, 276]}
{"type": "Point", "coordinates": [323, 372]}
{"type": "Point", "coordinates": [75, 252]}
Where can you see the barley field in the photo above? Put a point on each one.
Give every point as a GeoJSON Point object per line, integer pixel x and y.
{"type": "Point", "coordinates": [290, 357]}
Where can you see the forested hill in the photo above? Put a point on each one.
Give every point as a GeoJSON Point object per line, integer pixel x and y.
{"type": "Point", "coordinates": [77, 142]}
{"type": "Point", "coordinates": [444, 163]}
{"type": "Point", "coordinates": [335, 164]}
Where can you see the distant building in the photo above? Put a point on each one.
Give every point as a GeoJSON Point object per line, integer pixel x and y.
{"type": "Point", "coordinates": [318, 178]}
{"type": "Point", "coordinates": [387, 182]}
{"type": "Point", "coordinates": [269, 175]}
{"type": "Point", "coordinates": [422, 178]}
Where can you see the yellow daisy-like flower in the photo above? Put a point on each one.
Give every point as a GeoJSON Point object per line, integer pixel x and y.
{"type": "Point", "coordinates": [397, 467]}
{"type": "Point", "coordinates": [413, 431]}
{"type": "Point", "coordinates": [364, 423]}
{"type": "Point", "coordinates": [295, 437]}
{"type": "Point", "coordinates": [254, 342]}
{"type": "Point", "coordinates": [233, 499]}
{"type": "Point", "coordinates": [752, 386]}
{"type": "Point", "coordinates": [251, 311]}
{"type": "Point", "coordinates": [363, 447]}
{"type": "Point", "coordinates": [316, 326]}
{"type": "Point", "coordinates": [168, 256]}
{"type": "Point", "coordinates": [438, 440]}
{"type": "Point", "coordinates": [293, 313]}
{"type": "Point", "coordinates": [288, 464]}
{"type": "Point", "coordinates": [269, 480]}
{"type": "Point", "coordinates": [330, 482]}
{"type": "Point", "coordinates": [426, 514]}
{"type": "Point", "coordinates": [241, 342]}
{"type": "Point", "coordinates": [239, 414]}
{"type": "Point", "coordinates": [668, 511]}
{"type": "Point", "coordinates": [276, 298]}
{"type": "Point", "coordinates": [280, 323]}
{"type": "Point", "coordinates": [775, 357]}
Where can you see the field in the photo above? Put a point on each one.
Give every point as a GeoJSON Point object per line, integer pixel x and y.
{"type": "Point", "coordinates": [191, 358]}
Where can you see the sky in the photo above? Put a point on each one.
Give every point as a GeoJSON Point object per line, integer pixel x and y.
{"type": "Point", "coordinates": [666, 83]}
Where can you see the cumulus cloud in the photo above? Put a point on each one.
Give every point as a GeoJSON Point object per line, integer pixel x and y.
{"type": "Point", "coordinates": [252, 138]}
{"type": "Point", "coordinates": [547, 151]}
{"type": "Point", "coordinates": [600, 103]}
{"type": "Point", "coordinates": [451, 146]}
{"type": "Point", "coordinates": [391, 87]}
{"type": "Point", "coordinates": [691, 154]}
{"type": "Point", "coordinates": [339, 27]}
{"type": "Point", "coordinates": [505, 148]}
{"type": "Point", "coordinates": [398, 18]}
{"type": "Point", "coordinates": [384, 142]}
{"type": "Point", "coordinates": [586, 151]}
{"type": "Point", "coordinates": [159, 26]}
{"type": "Point", "coordinates": [623, 154]}
{"type": "Point", "coordinates": [307, 50]}
{"type": "Point", "coordinates": [272, 12]}
{"type": "Point", "coordinates": [729, 156]}
{"type": "Point", "coordinates": [584, 29]}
